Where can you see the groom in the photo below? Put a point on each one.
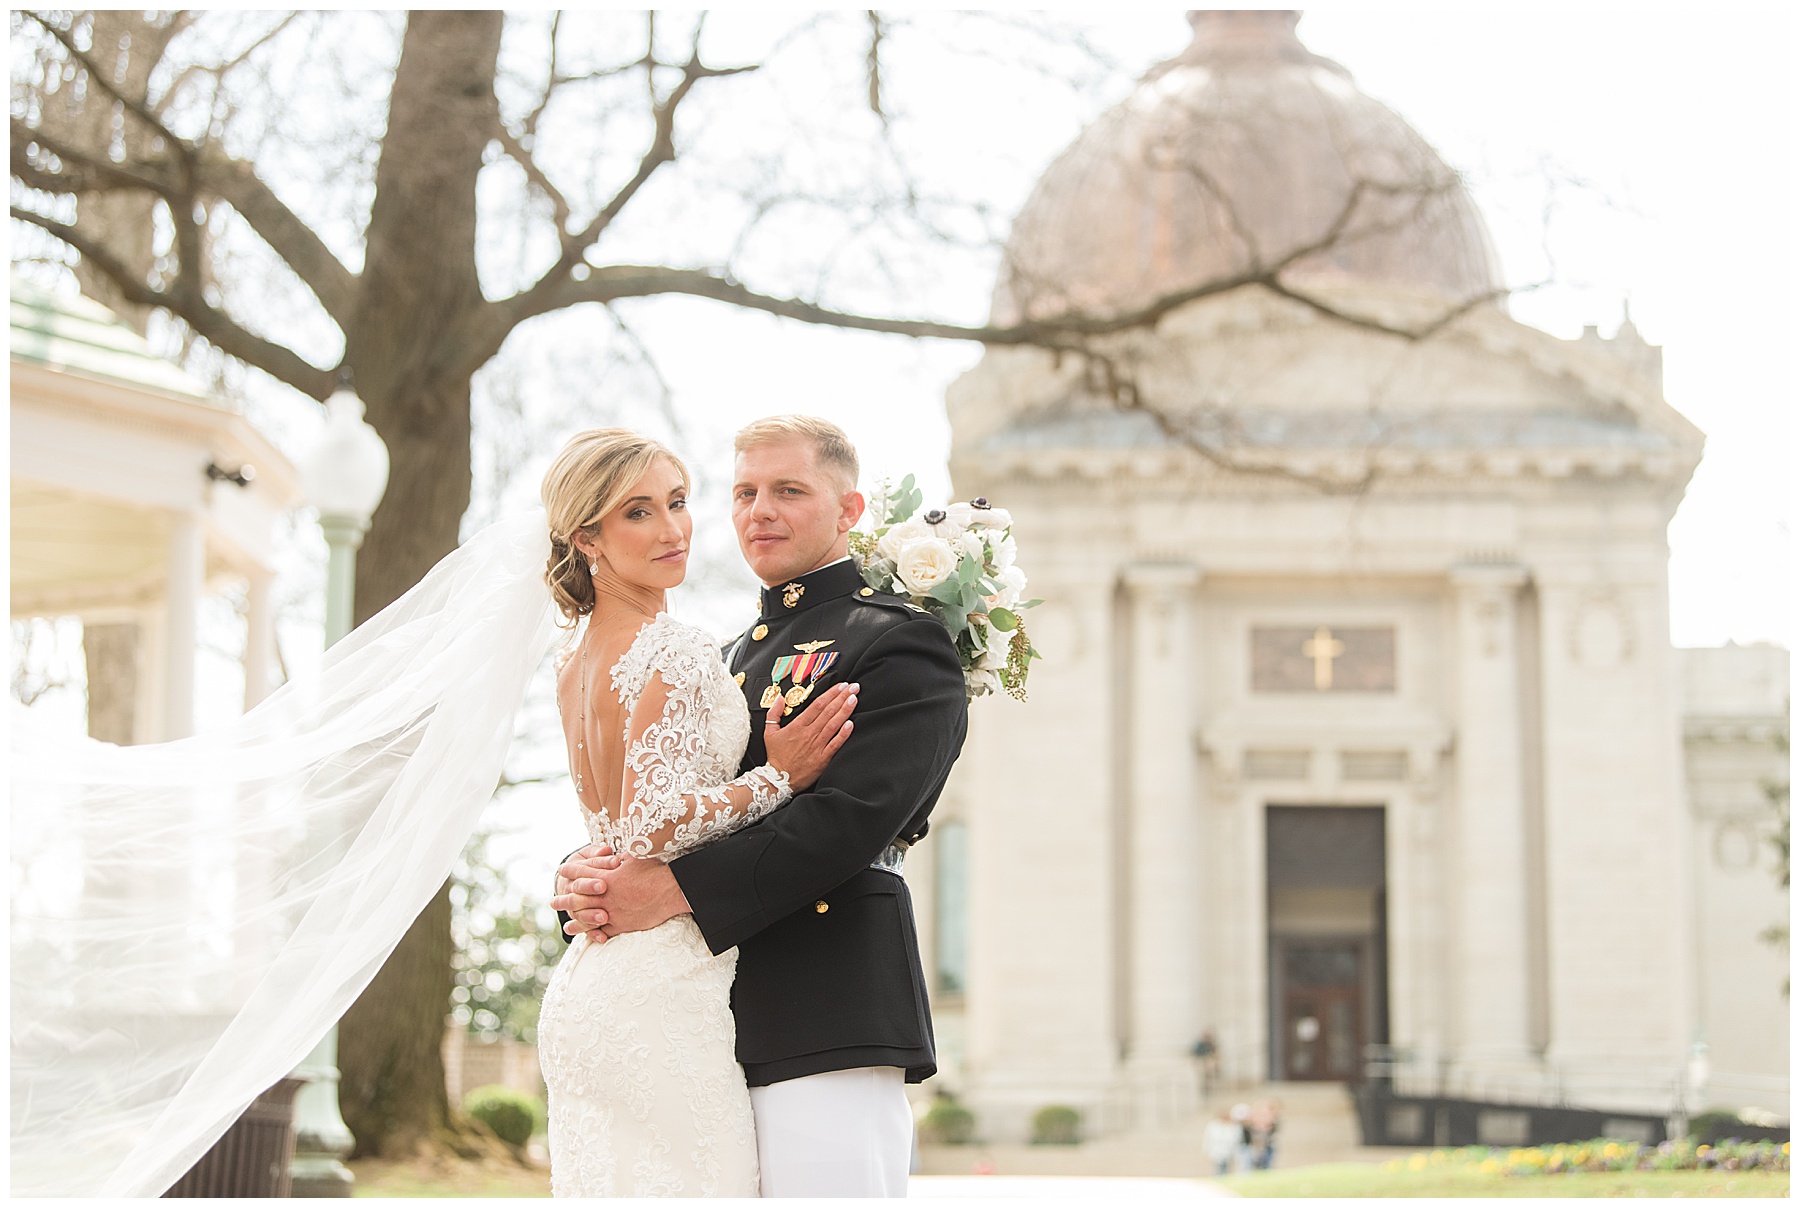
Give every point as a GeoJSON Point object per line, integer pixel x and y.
{"type": "Point", "coordinates": [832, 1018]}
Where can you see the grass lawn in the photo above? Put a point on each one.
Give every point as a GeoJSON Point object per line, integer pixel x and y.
{"type": "Point", "coordinates": [450, 1180]}
{"type": "Point", "coordinates": [1355, 1179]}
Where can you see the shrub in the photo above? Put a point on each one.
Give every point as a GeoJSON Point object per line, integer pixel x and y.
{"type": "Point", "coordinates": [947, 1122]}
{"type": "Point", "coordinates": [1056, 1125]}
{"type": "Point", "coordinates": [1709, 1128]}
{"type": "Point", "coordinates": [513, 1115]}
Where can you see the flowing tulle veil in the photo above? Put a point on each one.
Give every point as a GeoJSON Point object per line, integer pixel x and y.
{"type": "Point", "coordinates": [189, 918]}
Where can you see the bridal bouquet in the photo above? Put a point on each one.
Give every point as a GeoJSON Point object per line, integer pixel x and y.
{"type": "Point", "coordinates": [960, 564]}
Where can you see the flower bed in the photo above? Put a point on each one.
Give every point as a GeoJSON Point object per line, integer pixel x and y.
{"type": "Point", "coordinates": [1601, 1156]}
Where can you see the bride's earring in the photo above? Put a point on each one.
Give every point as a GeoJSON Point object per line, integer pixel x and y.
{"type": "Point", "coordinates": [593, 568]}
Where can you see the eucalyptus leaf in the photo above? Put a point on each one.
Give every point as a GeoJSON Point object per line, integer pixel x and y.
{"type": "Point", "coordinates": [1003, 619]}
{"type": "Point", "coordinates": [949, 591]}
{"type": "Point", "coordinates": [904, 501]}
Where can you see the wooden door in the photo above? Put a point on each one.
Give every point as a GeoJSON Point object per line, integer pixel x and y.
{"type": "Point", "coordinates": [1322, 1010]}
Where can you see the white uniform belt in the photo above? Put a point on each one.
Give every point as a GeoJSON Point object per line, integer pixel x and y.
{"type": "Point", "coordinates": [892, 858]}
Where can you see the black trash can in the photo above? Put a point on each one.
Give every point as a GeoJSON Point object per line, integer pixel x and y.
{"type": "Point", "coordinates": [251, 1160]}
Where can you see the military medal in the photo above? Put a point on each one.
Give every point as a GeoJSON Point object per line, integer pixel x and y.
{"type": "Point", "coordinates": [803, 670]}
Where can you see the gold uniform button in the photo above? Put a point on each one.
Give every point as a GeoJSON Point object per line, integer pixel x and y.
{"type": "Point", "coordinates": [738, 679]}
{"type": "Point", "coordinates": [821, 906]}
{"type": "Point", "coordinates": [867, 591]}
{"type": "Point", "coordinates": [759, 633]}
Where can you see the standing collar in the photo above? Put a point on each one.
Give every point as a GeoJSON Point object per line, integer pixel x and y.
{"type": "Point", "coordinates": [838, 579]}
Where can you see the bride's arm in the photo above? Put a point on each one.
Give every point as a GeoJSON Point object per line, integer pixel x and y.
{"type": "Point", "coordinates": [664, 812]}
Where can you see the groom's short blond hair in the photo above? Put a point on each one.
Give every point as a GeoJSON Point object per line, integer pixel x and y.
{"type": "Point", "coordinates": [831, 445]}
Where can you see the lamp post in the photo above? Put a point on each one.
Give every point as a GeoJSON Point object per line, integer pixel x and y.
{"type": "Point", "coordinates": [343, 476]}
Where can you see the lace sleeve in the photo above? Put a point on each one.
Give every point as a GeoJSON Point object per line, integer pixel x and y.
{"type": "Point", "coordinates": [663, 811]}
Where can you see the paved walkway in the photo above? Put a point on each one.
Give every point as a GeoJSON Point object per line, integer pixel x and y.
{"type": "Point", "coordinates": [1318, 1125]}
{"type": "Point", "coordinates": [1097, 1190]}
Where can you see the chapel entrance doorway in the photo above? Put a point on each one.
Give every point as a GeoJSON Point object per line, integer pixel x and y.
{"type": "Point", "coordinates": [1327, 931]}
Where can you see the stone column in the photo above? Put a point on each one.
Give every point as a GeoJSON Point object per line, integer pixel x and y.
{"type": "Point", "coordinates": [1619, 1012]}
{"type": "Point", "coordinates": [1491, 939]}
{"type": "Point", "coordinates": [1035, 786]}
{"type": "Point", "coordinates": [259, 641]}
{"type": "Point", "coordinates": [187, 579]}
{"type": "Point", "coordinates": [1164, 849]}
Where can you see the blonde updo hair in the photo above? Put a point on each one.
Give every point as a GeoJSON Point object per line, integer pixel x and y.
{"type": "Point", "coordinates": [588, 479]}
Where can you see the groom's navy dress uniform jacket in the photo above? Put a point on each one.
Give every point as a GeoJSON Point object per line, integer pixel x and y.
{"type": "Point", "coordinates": [828, 974]}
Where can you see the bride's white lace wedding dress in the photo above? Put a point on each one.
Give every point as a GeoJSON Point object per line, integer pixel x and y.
{"type": "Point", "coordinates": [636, 1037]}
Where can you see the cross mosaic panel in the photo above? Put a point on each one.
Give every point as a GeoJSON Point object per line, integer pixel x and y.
{"type": "Point", "coordinates": [1320, 658]}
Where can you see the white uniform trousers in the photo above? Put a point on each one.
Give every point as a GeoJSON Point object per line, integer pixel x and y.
{"type": "Point", "coordinates": [840, 1133]}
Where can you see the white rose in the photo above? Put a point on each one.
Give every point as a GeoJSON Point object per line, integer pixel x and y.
{"type": "Point", "coordinates": [891, 541]}
{"type": "Point", "coordinates": [924, 563]}
{"type": "Point", "coordinates": [1005, 550]}
{"type": "Point", "coordinates": [972, 545]}
{"type": "Point", "coordinates": [1012, 586]}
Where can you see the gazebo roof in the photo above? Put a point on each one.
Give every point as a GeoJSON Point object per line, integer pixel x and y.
{"type": "Point", "coordinates": [75, 334]}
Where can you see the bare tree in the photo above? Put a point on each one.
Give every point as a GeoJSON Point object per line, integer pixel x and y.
{"type": "Point", "coordinates": [143, 147]}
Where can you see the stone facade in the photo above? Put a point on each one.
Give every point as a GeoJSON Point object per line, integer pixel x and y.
{"type": "Point", "coordinates": [1358, 723]}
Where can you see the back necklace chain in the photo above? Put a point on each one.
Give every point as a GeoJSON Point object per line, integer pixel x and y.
{"type": "Point", "coordinates": [581, 732]}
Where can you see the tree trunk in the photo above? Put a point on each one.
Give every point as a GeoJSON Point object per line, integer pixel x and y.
{"type": "Point", "coordinates": [110, 652]}
{"type": "Point", "coordinates": [390, 1044]}
{"type": "Point", "coordinates": [419, 285]}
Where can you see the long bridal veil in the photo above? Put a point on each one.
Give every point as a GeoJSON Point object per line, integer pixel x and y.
{"type": "Point", "coordinates": [188, 919]}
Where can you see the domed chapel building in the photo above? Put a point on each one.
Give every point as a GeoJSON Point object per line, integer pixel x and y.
{"type": "Point", "coordinates": [1359, 734]}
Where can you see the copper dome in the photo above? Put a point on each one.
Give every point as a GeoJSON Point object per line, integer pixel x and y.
{"type": "Point", "coordinates": [1244, 151]}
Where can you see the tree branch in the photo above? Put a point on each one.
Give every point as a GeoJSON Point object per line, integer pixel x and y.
{"type": "Point", "coordinates": [82, 171]}
{"type": "Point", "coordinates": [213, 325]}
{"type": "Point", "coordinates": [137, 106]}
{"type": "Point", "coordinates": [641, 281]}
{"type": "Point", "coordinates": [220, 70]}
{"type": "Point", "coordinates": [559, 204]}
{"type": "Point", "coordinates": [491, 324]}
{"type": "Point", "coordinates": [237, 183]}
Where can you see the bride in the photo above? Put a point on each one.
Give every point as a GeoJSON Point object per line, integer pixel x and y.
{"type": "Point", "coordinates": [636, 1037]}
{"type": "Point", "coordinates": [189, 918]}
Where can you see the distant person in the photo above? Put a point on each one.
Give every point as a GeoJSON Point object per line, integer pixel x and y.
{"type": "Point", "coordinates": [1265, 1121]}
{"type": "Point", "coordinates": [1220, 1142]}
{"type": "Point", "coordinates": [1240, 1118]}
{"type": "Point", "coordinates": [1207, 1050]}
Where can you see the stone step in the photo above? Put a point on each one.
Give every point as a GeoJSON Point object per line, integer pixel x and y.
{"type": "Point", "coordinates": [1318, 1124]}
